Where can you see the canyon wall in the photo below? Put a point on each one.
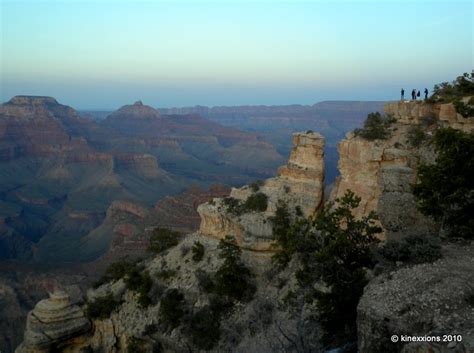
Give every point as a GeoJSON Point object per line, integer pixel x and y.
{"type": "Point", "coordinates": [381, 172]}
{"type": "Point", "coordinates": [299, 184]}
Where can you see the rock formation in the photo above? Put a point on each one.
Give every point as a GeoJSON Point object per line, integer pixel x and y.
{"type": "Point", "coordinates": [299, 184]}
{"type": "Point", "coordinates": [143, 165]}
{"type": "Point", "coordinates": [53, 322]}
{"type": "Point", "coordinates": [180, 212]}
{"type": "Point", "coordinates": [381, 171]}
{"type": "Point", "coordinates": [55, 163]}
{"type": "Point", "coordinates": [425, 300]}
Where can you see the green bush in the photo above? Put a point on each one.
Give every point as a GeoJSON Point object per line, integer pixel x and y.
{"type": "Point", "coordinates": [257, 202]}
{"type": "Point", "coordinates": [166, 274]}
{"type": "Point", "coordinates": [162, 239]}
{"type": "Point", "coordinates": [414, 249]}
{"type": "Point", "coordinates": [141, 283]}
{"type": "Point", "coordinates": [172, 308]}
{"type": "Point", "coordinates": [232, 205]}
{"type": "Point", "coordinates": [116, 271]}
{"type": "Point", "coordinates": [135, 345]}
{"type": "Point", "coordinates": [255, 186]}
{"type": "Point", "coordinates": [233, 278]}
{"type": "Point", "coordinates": [205, 324]}
{"type": "Point", "coordinates": [205, 328]}
{"type": "Point", "coordinates": [198, 251]}
{"type": "Point", "coordinates": [101, 307]}
{"type": "Point", "coordinates": [375, 127]}
{"type": "Point", "coordinates": [445, 189]}
{"type": "Point", "coordinates": [416, 136]}
{"type": "Point", "coordinates": [205, 281]}
{"type": "Point", "coordinates": [449, 92]}
{"type": "Point", "coordinates": [281, 225]}
{"type": "Point", "coordinates": [337, 254]}
{"type": "Point", "coordinates": [466, 110]}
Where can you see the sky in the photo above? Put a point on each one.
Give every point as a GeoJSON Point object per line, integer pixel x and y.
{"type": "Point", "coordinates": [104, 54]}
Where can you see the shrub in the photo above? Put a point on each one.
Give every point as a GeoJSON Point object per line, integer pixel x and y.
{"type": "Point", "coordinates": [445, 190]}
{"type": "Point", "coordinates": [232, 205]}
{"type": "Point", "coordinates": [414, 249]}
{"type": "Point", "coordinates": [375, 127]}
{"type": "Point", "coordinates": [256, 202]}
{"type": "Point", "coordinates": [448, 92]}
{"type": "Point", "coordinates": [281, 223]}
{"type": "Point", "coordinates": [233, 278]}
{"type": "Point", "coordinates": [340, 252]}
{"type": "Point", "coordinates": [166, 274]}
{"type": "Point", "coordinates": [101, 307]}
{"type": "Point", "coordinates": [466, 110]}
{"type": "Point", "coordinates": [416, 136]}
{"type": "Point", "coordinates": [255, 186]}
{"type": "Point", "coordinates": [205, 281]}
{"type": "Point", "coordinates": [116, 271]}
{"type": "Point", "coordinates": [172, 308]}
{"type": "Point", "coordinates": [141, 283]}
{"type": "Point", "coordinates": [135, 345]}
{"type": "Point", "coordinates": [205, 328]}
{"type": "Point", "coordinates": [298, 211]}
{"type": "Point", "coordinates": [198, 251]}
{"type": "Point", "coordinates": [205, 324]}
{"type": "Point", "coordinates": [162, 239]}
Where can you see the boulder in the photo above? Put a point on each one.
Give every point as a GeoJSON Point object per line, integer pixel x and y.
{"type": "Point", "coordinates": [424, 300]}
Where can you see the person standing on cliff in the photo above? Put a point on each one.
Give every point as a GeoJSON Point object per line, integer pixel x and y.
{"type": "Point", "coordinates": [413, 94]}
{"type": "Point", "coordinates": [402, 94]}
{"type": "Point", "coordinates": [426, 93]}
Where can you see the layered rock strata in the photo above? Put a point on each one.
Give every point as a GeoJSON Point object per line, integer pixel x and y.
{"type": "Point", "coordinates": [299, 185]}
{"type": "Point", "coordinates": [53, 321]}
{"type": "Point", "coordinates": [381, 171]}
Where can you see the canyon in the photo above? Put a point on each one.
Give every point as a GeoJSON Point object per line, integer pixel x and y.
{"type": "Point", "coordinates": [418, 298]}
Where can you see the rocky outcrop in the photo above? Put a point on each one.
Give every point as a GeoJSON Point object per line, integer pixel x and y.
{"type": "Point", "coordinates": [180, 212]}
{"type": "Point", "coordinates": [424, 300]}
{"type": "Point", "coordinates": [423, 113]}
{"type": "Point", "coordinates": [54, 321]}
{"type": "Point", "coordinates": [381, 171]}
{"type": "Point", "coordinates": [127, 207]}
{"type": "Point", "coordinates": [299, 185]}
{"type": "Point", "coordinates": [143, 165]}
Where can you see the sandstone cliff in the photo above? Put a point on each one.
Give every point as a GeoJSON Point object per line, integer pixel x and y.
{"type": "Point", "coordinates": [381, 171]}
{"type": "Point", "coordinates": [299, 184]}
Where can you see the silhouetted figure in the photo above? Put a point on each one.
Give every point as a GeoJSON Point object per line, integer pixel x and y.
{"type": "Point", "coordinates": [402, 94]}
{"type": "Point", "coordinates": [413, 94]}
{"type": "Point", "coordinates": [418, 93]}
{"type": "Point", "coordinates": [426, 93]}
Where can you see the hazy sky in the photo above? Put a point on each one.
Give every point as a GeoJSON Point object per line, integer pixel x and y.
{"type": "Point", "coordinates": [103, 54]}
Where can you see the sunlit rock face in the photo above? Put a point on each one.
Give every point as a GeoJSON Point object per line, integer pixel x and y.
{"type": "Point", "coordinates": [381, 172]}
{"type": "Point", "coordinates": [299, 185]}
{"type": "Point", "coordinates": [52, 321]}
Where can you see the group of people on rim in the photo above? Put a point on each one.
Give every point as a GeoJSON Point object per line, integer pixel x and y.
{"type": "Point", "coordinates": [414, 94]}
